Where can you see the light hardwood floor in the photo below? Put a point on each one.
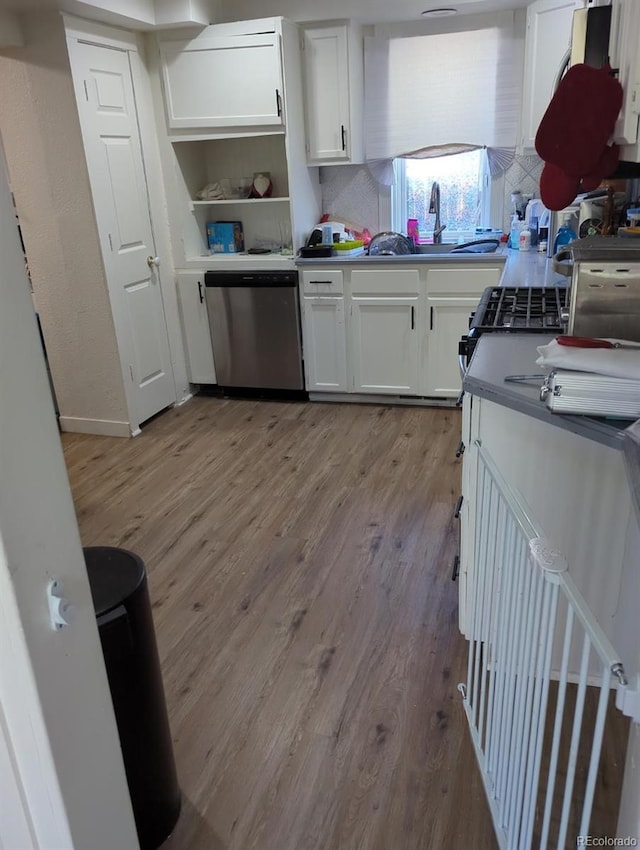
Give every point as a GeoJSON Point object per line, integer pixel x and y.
{"type": "Point", "coordinates": [299, 560]}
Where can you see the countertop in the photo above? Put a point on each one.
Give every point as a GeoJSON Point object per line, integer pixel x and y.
{"type": "Point", "coordinates": [498, 355]}
{"type": "Point", "coordinates": [529, 268]}
{"type": "Point", "coordinates": [521, 268]}
{"type": "Point", "coordinates": [498, 258]}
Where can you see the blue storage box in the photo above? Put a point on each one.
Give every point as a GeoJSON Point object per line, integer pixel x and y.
{"type": "Point", "coordinates": [225, 237]}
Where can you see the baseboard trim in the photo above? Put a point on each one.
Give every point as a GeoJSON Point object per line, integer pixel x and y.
{"type": "Point", "coordinates": [184, 400]}
{"type": "Point", "coordinates": [101, 427]}
{"type": "Point", "coordinates": [365, 398]}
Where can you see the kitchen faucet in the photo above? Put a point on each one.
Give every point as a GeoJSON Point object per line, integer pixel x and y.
{"type": "Point", "coordinates": [434, 207]}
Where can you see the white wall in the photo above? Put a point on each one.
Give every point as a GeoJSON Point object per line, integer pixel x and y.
{"type": "Point", "coordinates": [59, 748]}
{"type": "Point", "coordinates": [43, 144]}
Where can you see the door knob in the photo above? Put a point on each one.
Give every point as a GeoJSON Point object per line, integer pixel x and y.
{"type": "Point", "coordinates": [153, 261]}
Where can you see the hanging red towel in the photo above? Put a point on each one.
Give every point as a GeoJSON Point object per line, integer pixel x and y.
{"type": "Point", "coordinates": [574, 133]}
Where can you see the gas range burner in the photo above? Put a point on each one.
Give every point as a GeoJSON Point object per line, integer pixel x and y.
{"type": "Point", "coordinates": [516, 309]}
{"type": "Point", "coordinates": [521, 310]}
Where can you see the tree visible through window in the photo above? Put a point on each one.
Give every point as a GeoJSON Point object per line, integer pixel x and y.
{"type": "Point", "coordinates": [461, 179]}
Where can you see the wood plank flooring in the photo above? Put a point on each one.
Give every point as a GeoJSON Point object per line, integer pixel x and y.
{"type": "Point", "coordinates": [299, 560]}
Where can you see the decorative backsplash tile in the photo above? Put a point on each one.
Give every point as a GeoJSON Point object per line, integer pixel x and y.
{"type": "Point", "coordinates": [524, 174]}
{"type": "Point", "coordinates": [352, 193]}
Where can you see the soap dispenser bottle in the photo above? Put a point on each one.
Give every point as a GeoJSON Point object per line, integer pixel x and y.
{"type": "Point", "coordinates": [514, 233]}
{"type": "Point", "coordinates": [565, 234]}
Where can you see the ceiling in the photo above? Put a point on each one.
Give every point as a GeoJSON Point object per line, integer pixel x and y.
{"type": "Point", "coordinates": [366, 11]}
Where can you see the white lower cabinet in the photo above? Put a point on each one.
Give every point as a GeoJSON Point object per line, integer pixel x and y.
{"type": "Point", "coordinates": [448, 320]}
{"type": "Point", "coordinates": [386, 329]}
{"type": "Point", "coordinates": [385, 345]}
{"type": "Point", "coordinates": [325, 343]}
{"type": "Point", "coordinates": [195, 327]}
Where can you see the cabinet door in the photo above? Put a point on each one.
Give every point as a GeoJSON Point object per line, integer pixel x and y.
{"type": "Point", "coordinates": [326, 76]}
{"type": "Point", "coordinates": [448, 320]}
{"type": "Point", "coordinates": [624, 55]}
{"type": "Point", "coordinates": [230, 81]}
{"type": "Point", "coordinates": [385, 342]}
{"type": "Point", "coordinates": [325, 349]}
{"type": "Point", "coordinates": [547, 41]}
{"type": "Point", "coordinates": [195, 328]}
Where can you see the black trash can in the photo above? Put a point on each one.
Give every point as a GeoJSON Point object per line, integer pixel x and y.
{"type": "Point", "coordinates": [121, 602]}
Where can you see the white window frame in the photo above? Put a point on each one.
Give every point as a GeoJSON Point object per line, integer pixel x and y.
{"type": "Point", "coordinates": [486, 188]}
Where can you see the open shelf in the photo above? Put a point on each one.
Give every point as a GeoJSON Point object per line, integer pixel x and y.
{"type": "Point", "coordinates": [231, 201]}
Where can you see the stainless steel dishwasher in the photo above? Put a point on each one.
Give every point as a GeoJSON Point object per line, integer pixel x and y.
{"type": "Point", "coordinates": [255, 328]}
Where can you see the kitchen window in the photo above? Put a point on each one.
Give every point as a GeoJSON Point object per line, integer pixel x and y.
{"type": "Point", "coordinates": [465, 194]}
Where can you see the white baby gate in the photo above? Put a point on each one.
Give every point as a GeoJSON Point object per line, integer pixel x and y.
{"type": "Point", "coordinates": [529, 626]}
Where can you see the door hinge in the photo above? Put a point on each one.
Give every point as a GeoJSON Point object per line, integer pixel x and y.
{"type": "Point", "coordinates": [110, 242]}
{"type": "Point", "coordinates": [307, 146]}
{"type": "Point", "coordinates": [131, 372]}
{"type": "Point", "coordinates": [86, 90]}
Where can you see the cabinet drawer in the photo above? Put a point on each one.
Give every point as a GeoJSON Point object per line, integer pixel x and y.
{"type": "Point", "coordinates": [322, 282]}
{"type": "Point", "coordinates": [387, 282]}
{"type": "Point", "coordinates": [462, 281]}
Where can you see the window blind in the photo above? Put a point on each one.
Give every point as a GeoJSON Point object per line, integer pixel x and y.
{"type": "Point", "coordinates": [442, 90]}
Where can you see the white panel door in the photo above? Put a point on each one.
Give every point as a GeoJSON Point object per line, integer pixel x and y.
{"type": "Point", "coordinates": [548, 39]}
{"type": "Point", "coordinates": [448, 320]}
{"type": "Point", "coordinates": [195, 328]}
{"type": "Point", "coordinates": [325, 347]}
{"type": "Point", "coordinates": [326, 73]}
{"type": "Point", "coordinates": [385, 345]}
{"type": "Point", "coordinates": [106, 104]}
{"type": "Point", "coordinates": [228, 81]}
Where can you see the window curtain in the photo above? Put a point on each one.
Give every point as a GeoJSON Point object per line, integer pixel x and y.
{"type": "Point", "coordinates": [443, 93]}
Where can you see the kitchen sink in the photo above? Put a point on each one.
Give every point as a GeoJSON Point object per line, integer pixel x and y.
{"type": "Point", "coordinates": [478, 246]}
{"type": "Point", "coordinates": [443, 248]}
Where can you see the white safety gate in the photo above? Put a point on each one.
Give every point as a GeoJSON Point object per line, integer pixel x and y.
{"type": "Point", "coordinates": [531, 632]}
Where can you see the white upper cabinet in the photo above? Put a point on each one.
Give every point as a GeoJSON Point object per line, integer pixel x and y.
{"type": "Point", "coordinates": [625, 58]}
{"type": "Point", "coordinates": [547, 42]}
{"type": "Point", "coordinates": [333, 78]}
{"type": "Point", "coordinates": [223, 80]}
